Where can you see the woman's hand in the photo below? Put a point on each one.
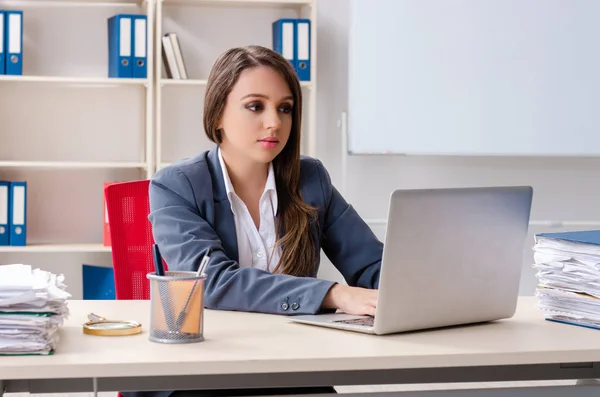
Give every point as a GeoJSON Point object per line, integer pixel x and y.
{"type": "Point", "coordinates": [351, 300]}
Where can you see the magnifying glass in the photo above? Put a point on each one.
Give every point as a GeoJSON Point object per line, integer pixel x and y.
{"type": "Point", "coordinates": [102, 327]}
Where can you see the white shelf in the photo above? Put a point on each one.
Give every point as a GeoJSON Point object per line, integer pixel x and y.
{"type": "Point", "coordinates": [83, 81]}
{"type": "Point", "coordinates": [182, 82]}
{"type": "Point", "coordinates": [166, 82]}
{"type": "Point", "coordinates": [241, 3]}
{"type": "Point", "coordinates": [69, 164]}
{"type": "Point", "coordinates": [56, 248]}
{"type": "Point", "coordinates": [69, 3]}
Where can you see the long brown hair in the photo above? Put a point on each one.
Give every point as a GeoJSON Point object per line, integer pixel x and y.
{"type": "Point", "coordinates": [294, 215]}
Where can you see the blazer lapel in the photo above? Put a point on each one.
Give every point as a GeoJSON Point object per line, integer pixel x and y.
{"type": "Point", "coordinates": [224, 223]}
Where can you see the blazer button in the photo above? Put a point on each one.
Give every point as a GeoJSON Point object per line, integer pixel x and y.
{"type": "Point", "coordinates": [295, 306]}
{"type": "Point", "coordinates": [284, 306]}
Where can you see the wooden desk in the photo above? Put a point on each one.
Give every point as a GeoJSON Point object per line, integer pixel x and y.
{"type": "Point", "coordinates": [243, 350]}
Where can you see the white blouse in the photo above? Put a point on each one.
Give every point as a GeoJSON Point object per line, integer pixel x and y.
{"type": "Point", "coordinates": [255, 247]}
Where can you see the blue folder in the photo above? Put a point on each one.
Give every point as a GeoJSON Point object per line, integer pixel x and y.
{"type": "Point", "coordinates": [98, 283]}
{"type": "Point", "coordinates": [303, 49]}
{"type": "Point", "coordinates": [140, 47]}
{"type": "Point", "coordinates": [567, 322]}
{"type": "Point", "coordinates": [4, 212]}
{"type": "Point", "coordinates": [17, 217]}
{"type": "Point", "coordinates": [283, 38]}
{"type": "Point", "coordinates": [120, 45]}
{"type": "Point", "coordinates": [2, 49]}
{"type": "Point", "coordinates": [13, 42]}
{"type": "Point", "coordinates": [583, 236]}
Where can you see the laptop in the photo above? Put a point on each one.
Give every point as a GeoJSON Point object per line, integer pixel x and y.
{"type": "Point", "coordinates": [451, 257]}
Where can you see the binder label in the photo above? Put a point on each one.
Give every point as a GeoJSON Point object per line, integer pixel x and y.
{"type": "Point", "coordinates": [303, 46]}
{"type": "Point", "coordinates": [125, 47]}
{"type": "Point", "coordinates": [14, 33]}
{"type": "Point", "coordinates": [19, 205]}
{"type": "Point", "coordinates": [287, 36]}
{"type": "Point", "coordinates": [1, 33]}
{"type": "Point", "coordinates": [3, 205]}
{"type": "Point", "coordinates": [140, 38]}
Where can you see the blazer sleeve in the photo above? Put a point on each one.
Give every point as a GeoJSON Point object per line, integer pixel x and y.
{"type": "Point", "coordinates": [347, 240]}
{"type": "Point", "coordinates": [183, 236]}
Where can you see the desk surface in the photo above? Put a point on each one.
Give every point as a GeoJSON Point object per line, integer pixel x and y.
{"type": "Point", "coordinates": [238, 343]}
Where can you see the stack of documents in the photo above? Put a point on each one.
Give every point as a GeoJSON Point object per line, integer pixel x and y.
{"type": "Point", "coordinates": [32, 309]}
{"type": "Point", "coordinates": [569, 276]}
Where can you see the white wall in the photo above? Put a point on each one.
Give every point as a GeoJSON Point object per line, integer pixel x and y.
{"type": "Point", "coordinates": [564, 188]}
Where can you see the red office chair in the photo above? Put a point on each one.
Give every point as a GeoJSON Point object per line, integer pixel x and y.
{"type": "Point", "coordinates": [131, 238]}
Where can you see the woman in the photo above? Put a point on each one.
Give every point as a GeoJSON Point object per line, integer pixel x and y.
{"type": "Point", "coordinates": [263, 211]}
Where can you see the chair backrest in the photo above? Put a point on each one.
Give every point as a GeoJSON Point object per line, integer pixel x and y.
{"type": "Point", "coordinates": [128, 206]}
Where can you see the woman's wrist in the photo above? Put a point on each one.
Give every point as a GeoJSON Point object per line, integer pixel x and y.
{"type": "Point", "coordinates": [331, 300]}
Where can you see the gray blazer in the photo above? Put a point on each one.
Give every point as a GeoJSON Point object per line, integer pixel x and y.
{"type": "Point", "coordinates": [190, 212]}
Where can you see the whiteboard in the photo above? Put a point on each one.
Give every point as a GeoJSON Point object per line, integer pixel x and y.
{"type": "Point", "coordinates": [474, 77]}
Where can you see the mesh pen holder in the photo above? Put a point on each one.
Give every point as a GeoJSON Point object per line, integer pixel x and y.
{"type": "Point", "coordinates": [177, 307]}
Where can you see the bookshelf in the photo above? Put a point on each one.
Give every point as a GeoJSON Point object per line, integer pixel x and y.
{"type": "Point", "coordinates": [71, 164]}
{"type": "Point", "coordinates": [179, 103]}
{"type": "Point", "coordinates": [66, 128]}
{"type": "Point", "coordinates": [241, 3]}
{"type": "Point", "coordinates": [58, 248]}
{"type": "Point", "coordinates": [198, 82]}
{"type": "Point", "coordinates": [98, 81]}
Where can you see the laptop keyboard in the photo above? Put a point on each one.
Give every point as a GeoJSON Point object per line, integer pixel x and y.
{"type": "Point", "coordinates": [367, 321]}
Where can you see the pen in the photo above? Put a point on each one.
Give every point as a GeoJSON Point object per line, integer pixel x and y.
{"type": "Point", "coordinates": [158, 263]}
{"type": "Point", "coordinates": [163, 289]}
{"type": "Point", "coordinates": [200, 272]}
{"type": "Point", "coordinates": [204, 263]}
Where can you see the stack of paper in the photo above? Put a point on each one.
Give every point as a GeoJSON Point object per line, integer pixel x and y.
{"type": "Point", "coordinates": [569, 276]}
{"type": "Point", "coordinates": [32, 309]}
